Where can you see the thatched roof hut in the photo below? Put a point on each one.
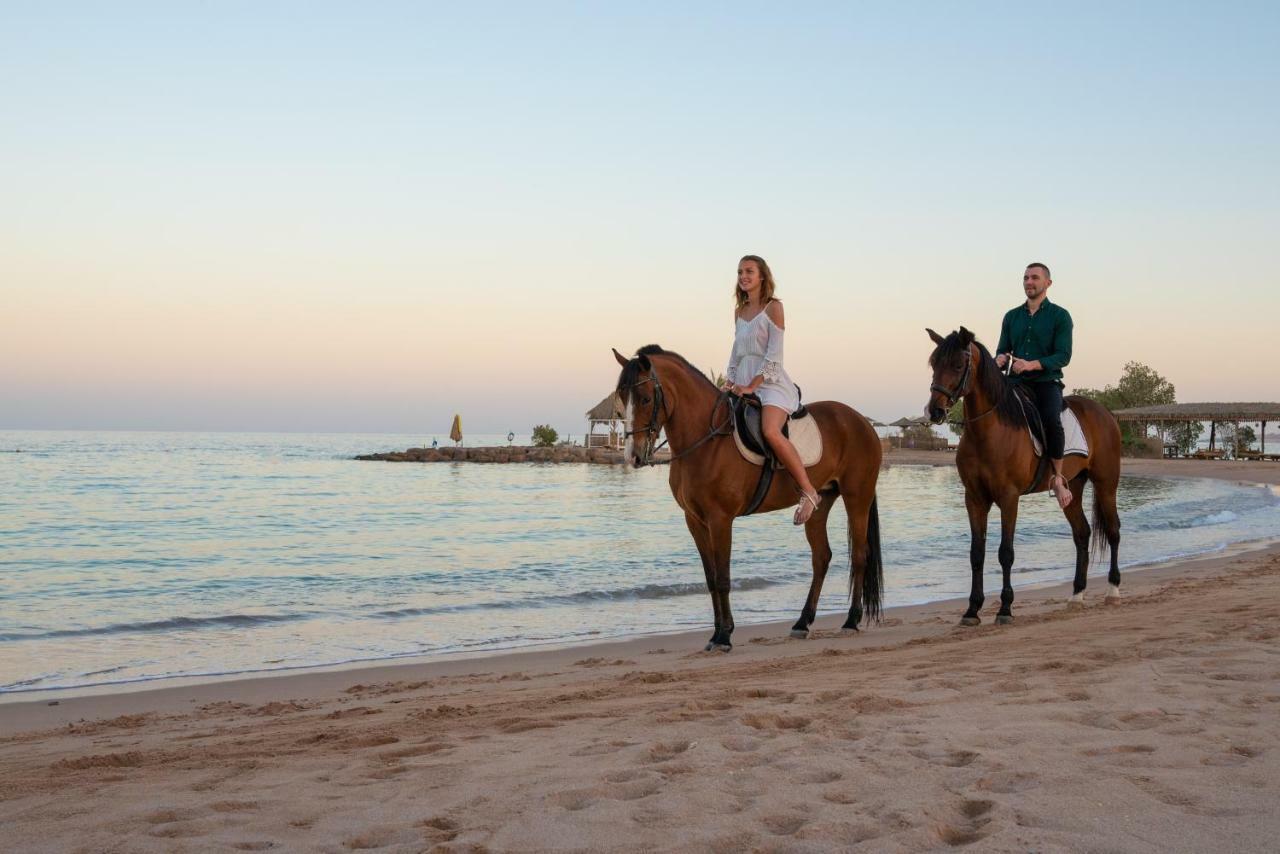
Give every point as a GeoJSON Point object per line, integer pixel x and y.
{"type": "Point", "coordinates": [608, 413]}
{"type": "Point", "coordinates": [609, 409]}
{"type": "Point", "coordinates": [1247, 412]}
{"type": "Point", "coordinates": [1214, 413]}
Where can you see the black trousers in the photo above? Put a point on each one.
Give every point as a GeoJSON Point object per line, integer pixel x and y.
{"type": "Point", "coordinates": [1048, 398]}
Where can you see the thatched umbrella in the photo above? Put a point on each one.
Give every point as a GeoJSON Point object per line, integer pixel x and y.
{"type": "Point", "coordinates": [905, 422]}
{"type": "Point", "coordinates": [455, 432]}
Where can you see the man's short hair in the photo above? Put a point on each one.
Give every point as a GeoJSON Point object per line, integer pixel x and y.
{"type": "Point", "coordinates": [1044, 267]}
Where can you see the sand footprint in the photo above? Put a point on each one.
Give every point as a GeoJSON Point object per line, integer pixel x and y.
{"type": "Point", "coordinates": [368, 840]}
{"type": "Point", "coordinates": [1165, 794]}
{"type": "Point", "coordinates": [969, 827]}
{"type": "Point", "coordinates": [665, 750]}
{"type": "Point", "coordinates": [769, 721]}
{"type": "Point", "coordinates": [1008, 782]}
{"type": "Point", "coordinates": [1120, 750]}
{"type": "Point", "coordinates": [574, 799]}
{"type": "Point", "coordinates": [949, 758]}
{"type": "Point", "coordinates": [601, 748]}
{"type": "Point", "coordinates": [784, 824]}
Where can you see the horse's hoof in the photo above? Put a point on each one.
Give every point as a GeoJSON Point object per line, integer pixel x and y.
{"type": "Point", "coordinates": [1074, 604]}
{"type": "Point", "coordinates": [800, 634]}
{"type": "Point", "coordinates": [970, 621]}
{"type": "Point", "coordinates": [1113, 600]}
{"type": "Point", "coordinates": [722, 647]}
{"type": "Point", "coordinates": [1004, 619]}
{"type": "Point", "coordinates": [845, 631]}
{"type": "Point", "coordinates": [709, 647]}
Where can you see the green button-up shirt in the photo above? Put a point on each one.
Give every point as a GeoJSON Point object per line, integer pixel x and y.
{"type": "Point", "coordinates": [1045, 335]}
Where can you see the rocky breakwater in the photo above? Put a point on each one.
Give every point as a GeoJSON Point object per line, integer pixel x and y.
{"type": "Point", "coordinates": [510, 454]}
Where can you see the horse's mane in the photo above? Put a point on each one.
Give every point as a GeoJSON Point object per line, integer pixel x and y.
{"type": "Point", "coordinates": [988, 377]}
{"type": "Point", "coordinates": [633, 370]}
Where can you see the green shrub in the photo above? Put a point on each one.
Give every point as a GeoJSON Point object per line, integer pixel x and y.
{"type": "Point", "coordinates": [544, 436]}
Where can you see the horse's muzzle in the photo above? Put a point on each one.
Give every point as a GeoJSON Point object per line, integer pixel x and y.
{"type": "Point", "coordinates": [936, 414]}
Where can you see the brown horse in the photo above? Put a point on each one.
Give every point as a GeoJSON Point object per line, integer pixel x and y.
{"type": "Point", "coordinates": [713, 484]}
{"type": "Point", "coordinates": [998, 465]}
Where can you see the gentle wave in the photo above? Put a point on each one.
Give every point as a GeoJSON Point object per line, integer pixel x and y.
{"type": "Point", "coordinates": [173, 624]}
{"type": "Point", "coordinates": [226, 621]}
{"type": "Point", "coordinates": [646, 591]}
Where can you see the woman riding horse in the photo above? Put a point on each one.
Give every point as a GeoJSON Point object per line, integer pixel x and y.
{"type": "Point", "coordinates": [755, 367]}
{"type": "Point", "coordinates": [713, 483]}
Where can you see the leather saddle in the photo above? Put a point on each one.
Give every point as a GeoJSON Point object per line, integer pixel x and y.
{"type": "Point", "coordinates": [747, 419]}
{"type": "Point", "coordinates": [1074, 443]}
{"type": "Point", "coordinates": [751, 443]}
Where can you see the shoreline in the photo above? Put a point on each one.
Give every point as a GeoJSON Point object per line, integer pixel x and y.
{"type": "Point", "coordinates": [1251, 474]}
{"type": "Point", "coordinates": [58, 696]}
{"type": "Point", "coordinates": [59, 706]}
{"type": "Point", "coordinates": [500, 454]}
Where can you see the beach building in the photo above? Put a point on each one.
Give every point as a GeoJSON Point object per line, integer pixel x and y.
{"type": "Point", "coordinates": [607, 415]}
{"type": "Point", "coordinates": [1260, 413]}
{"type": "Point", "coordinates": [917, 433]}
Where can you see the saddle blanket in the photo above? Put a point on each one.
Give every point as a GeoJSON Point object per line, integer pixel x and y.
{"type": "Point", "coordinates": [1075, 444]}
{"type": "Point", "coordinates": [805, 435]}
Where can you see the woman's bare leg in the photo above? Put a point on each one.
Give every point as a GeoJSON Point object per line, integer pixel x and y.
{"type": "Point", "coordinates": [772, 418]}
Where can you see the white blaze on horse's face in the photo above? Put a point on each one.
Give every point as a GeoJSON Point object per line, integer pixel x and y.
{"type": "Point", "coordinates": [629, 419]}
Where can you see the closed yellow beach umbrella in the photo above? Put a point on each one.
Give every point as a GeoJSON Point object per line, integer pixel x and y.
{"type": "Point", "coordinates": [455, 432]}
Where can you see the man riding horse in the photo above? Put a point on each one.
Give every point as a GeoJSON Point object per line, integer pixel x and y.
{"type": "Point", "coordinates": [1036, 337]}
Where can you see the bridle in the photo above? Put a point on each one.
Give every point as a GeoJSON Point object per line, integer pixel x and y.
{"type": "Point", "coordinates": [654, 427]}
{"type": "Point", "coordinates": [963, 386]}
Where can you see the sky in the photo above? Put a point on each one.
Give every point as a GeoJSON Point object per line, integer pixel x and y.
{"type": "Point", "coordinates": [369, 217]}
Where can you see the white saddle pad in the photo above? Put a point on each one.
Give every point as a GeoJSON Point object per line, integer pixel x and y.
{"type": "Point", "coordinates": [1075, 443]}
{"type": "Point", "coordinates": [805, 435]}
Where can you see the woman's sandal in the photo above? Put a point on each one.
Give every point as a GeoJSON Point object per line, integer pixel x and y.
{"type": "Point", "coordinates": [1063, 504]}
{"type": "Point", "coordinates": [802, 515]}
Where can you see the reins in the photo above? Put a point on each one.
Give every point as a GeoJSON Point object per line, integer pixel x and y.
{"type": "Point", "coordinates": [960, 390]}
{"type": "Point", "coordinates": [653, 427]}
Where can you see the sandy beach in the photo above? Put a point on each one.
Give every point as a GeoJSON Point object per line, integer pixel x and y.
{"type": "Point", "coordinates": [1147, 726]}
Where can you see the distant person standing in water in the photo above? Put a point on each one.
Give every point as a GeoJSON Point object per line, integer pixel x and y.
{"type": "Point", "coordinates": [755, 367]}
{"type": "Point", "coordinates": [1036, 336]}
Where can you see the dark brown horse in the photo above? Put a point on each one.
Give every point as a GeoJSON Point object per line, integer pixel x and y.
{"type": "Point", "coordinates": [713, 484]}
{"type": "Point", "coordinates": [998, 464]}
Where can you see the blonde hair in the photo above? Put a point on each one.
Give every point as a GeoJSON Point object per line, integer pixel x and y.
{"type": "Point", "coordinates": [766, 282]}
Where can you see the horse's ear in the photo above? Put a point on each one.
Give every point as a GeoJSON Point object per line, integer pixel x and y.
{"type": "Point", "coordinates": [622, 360]}
{"type": "Point", "coordinates": [937, 339]}
{"type": "Point", "coordinates": [644, 362]}
{"type": "Point", "coordinates": [966, 337]}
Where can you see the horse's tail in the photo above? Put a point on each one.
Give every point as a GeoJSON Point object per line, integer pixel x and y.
{"type": "Point", "coordinates": [873, 573]}
{"type": "Point", "coordinates": [1099, 545]}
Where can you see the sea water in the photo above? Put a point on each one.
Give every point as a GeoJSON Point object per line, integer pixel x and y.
{"type": "Point", "coordinates": [128, 557]}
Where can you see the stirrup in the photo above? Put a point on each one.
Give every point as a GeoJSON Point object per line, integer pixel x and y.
{"type": "Point", "coordinates": [796, 520]}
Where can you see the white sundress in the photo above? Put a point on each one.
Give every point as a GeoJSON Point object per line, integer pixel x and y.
{"type": "Point", "coordinates": [757, 351]}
